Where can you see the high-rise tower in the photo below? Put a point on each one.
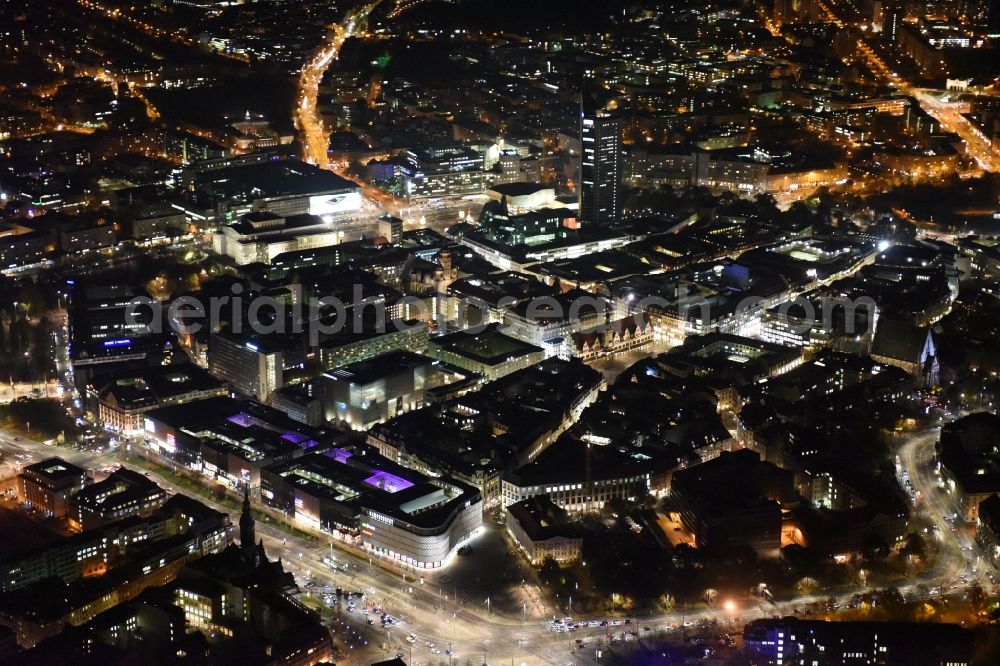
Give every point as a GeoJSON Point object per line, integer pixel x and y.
{"type": "Point", "coordinates": [893, 13]}
{"type": "Point", "coordinates": [600, 167]}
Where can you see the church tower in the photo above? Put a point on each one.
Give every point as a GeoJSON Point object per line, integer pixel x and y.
{"type": "Point", "coordinates": [248, 547]}
{"type": "Point", "coordinates": [444, 274]}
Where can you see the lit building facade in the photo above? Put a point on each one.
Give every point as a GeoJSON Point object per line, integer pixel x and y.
{"type": "Point", "coordinates": [444, 171]}
{"type": "Point", "coordinates": [366, 499]}
{"type": "Point", "coordinates": [600, 168]}
{"type": "Point", "coordinates": [49, 486]}
{"type": "Point", "coordinates": [252, 366]}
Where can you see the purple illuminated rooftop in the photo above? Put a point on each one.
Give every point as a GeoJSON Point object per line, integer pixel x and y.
{"type": "Point", "coordinates": [340, 455]}
{"type": "Point", "coordinates": [298, 438]}
{"type": "Point", "coordinates": [390, 483]}
{"type": "Point", "coordinates": [244, 420]}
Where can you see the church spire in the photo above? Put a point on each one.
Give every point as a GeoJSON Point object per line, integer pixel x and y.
{"type": "Point", "coordinates": [248, 544]}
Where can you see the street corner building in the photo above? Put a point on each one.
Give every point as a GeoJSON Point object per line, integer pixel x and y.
{"type": "Point", "coordinates": [365, 499]}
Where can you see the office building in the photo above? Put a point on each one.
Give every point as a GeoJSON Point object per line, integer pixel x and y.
{"type": "Point", "coordinates": [111, 323]}
{"type": "Point", "coordinates": [49, 486]}
{"type": "Point", "coordinates": [968, 460]}
{"type": "Point", "coordinates": [391, 228]}
{"type": "Point", "coordinates": [551, 322]}
{"type": "Point", "coordinates": [988, 528]}
{"type": "Point", "coordinates": [120, 399]}
{"type": "Point", "coordinates": [123, 494]}
{"type": "Point", "coordinates": [20, 246]}
{"type": "Point", "coordinates": [443, 171]}
{"type": "Point", "coordinates": [893, 13]}
{"type": "Point", "coordinates": [157, 224]}
{"type": "Point", "coordinates": [478, 300]}
{"type": "Point", "coordinates": [349, 347]}
{"type": "Point", "coordinates": [561, 472]}
{"type": "Point", "coordinates": [104, 567]}
{"type": "Point", "coordinates": [301, 402]}
{"type": "Point", "coordinates": [543, 531]}
{"type": "Point", "coordinates": [733, 500]}
{"type": "Point", "coordinates": [27, 561]}
{"type": "Point", "coordinates": [95, 551]}
{"type": "Point", "coordinates": [253, 365]}
{"type": "Point", "coordinates": [264, 182]}
{"type": "Point", "coordinates": [600, 168]}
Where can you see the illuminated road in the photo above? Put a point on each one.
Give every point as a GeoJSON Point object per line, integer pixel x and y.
{"type": "Point", "coordinates": [312, 134]}
{"type": "Point", "coordinates": [446, 614]}
{"type": "Point", "coordinates": [402, 6]}
{"type": "Point", "coordinates": [949, 114]}
{"type": "Point", "coordinates": [431, 611]}
{"type": "Point", "coordinates": [958, 553]}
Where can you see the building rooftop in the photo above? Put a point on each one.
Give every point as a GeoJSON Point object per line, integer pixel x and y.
{"type": "Point", "coordinates": [153, 385]}
{"type": "Point", "coordinates": [542, 519]}
{"type": "Point", "coordinates": [968, 449]}
{"type": "Point", "coordinates": [602, 267]}
{"type": "Point", "coordinates": [361, 478]}
{"type": "Point", "coordinates": [733, 479]}
{"type": "Point", "coordinates": [493, 428]}
{"type": "Point", "coordinates": [989, 512]}
{"type": "Point", "coordinates": [727, 357]}
{"type": "Point", "coordinates": [122, 486]}
{"type": "Point", "coordinates": [55, 471]}
{"type": "Point", "coordinates": [496, 286]}
{"type": "Point", "coordinates": [900, 340]}
{"type": "Point", "coordinates": [489, 347]}
{"type": "Point", "coordinates": [273, 179]}
{"type": "Point", "coordinates": [518, 189]}
{"type": "Point", "coordinates": [572, 305]}
{"type": "Point", "coordinates": [565, 461]}
{"type": "Point", "coordinates": [31, 536]}
{"type": "Point", "coordinates": [241, 420]}
{"type": "Point", "coordinates": [378, 367]}
{"type": "Point", "coordinates": [265, 224]}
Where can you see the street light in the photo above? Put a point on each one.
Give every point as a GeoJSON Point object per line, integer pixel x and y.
{"type": "Point", "coordinates": [730, 608]}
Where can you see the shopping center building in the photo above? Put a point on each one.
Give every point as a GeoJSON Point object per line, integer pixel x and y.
{"type": "Point", "coordinates": [366, 499]}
